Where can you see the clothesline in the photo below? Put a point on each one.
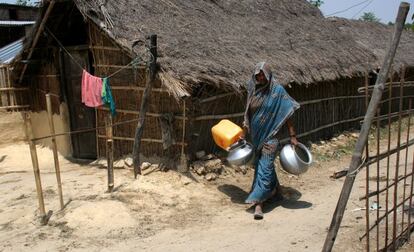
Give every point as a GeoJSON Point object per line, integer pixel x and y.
{"type": "Point", "coordinates": [134, 62]}
{"type": "Point", "coordinates": [96, 91]}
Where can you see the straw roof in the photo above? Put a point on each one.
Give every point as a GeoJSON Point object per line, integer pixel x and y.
{"type": "Point", "coordinates": [375, 37]}
{"type": "Point", "coordinates": [217, 41]}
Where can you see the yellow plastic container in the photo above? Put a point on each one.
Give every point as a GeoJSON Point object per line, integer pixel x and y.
{"type": "Point", "coordinates": [226, 133]}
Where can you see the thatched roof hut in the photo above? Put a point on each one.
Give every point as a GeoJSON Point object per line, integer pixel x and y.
{"type": "Point", "coordinates": [207, 49]}
{"type": "Point", "coordinates": [218, 42]}
{"type": "Point", "coordinates": [375, 37]}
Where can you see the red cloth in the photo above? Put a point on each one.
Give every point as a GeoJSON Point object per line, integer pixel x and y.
{"type": "Point", "coordinates": [91, 90]}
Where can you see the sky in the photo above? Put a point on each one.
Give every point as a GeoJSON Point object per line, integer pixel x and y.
{"type": "Point", "coordinates": [386, 10]}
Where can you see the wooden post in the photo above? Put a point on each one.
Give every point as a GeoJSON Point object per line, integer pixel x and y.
{"type": "Point", "coordinates": [37, 36]}
{"type": "Point", "coordinates": [109, 151]}
{"type": "Point", "coordinates": [35, 164]}
{"type": "Point", "coordinates": [183, 166]}
{"type": "Point", "coordinates": [144, 105]}
{"type": "Point", "coordinates": [363, 136]}
{"type": "Point", "coordinates": [54, 148]}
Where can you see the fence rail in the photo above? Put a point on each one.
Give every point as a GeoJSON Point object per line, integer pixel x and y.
{"type": "Point", "coordinates": [11, 98]}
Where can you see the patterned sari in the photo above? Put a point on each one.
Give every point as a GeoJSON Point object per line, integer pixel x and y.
{"type": "Point", "coordinates": [267, 110]}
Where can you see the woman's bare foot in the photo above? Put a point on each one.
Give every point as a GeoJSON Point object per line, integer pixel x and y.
{"type": "Point", "coordinates": [258, 212]}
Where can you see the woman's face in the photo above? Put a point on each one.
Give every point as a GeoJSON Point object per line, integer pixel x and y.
{"type": "Point", "coordinates": [261, 78]}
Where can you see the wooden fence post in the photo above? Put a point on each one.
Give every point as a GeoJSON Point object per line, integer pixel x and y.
{"type": "Point", "coordinates": [363, 136]}
{"type": "Point", "coordinates": [35, 164]}
{"type": "Point", "coordinates": [144, 105]}
{"type": "Point", "coordinates": [54, 148]}
{"type": "Point", "coordinates": [109, 151]}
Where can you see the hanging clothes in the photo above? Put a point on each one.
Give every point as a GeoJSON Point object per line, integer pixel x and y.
{"type": "Point", "coordinates": [91, 90]}
{"type": "Point", "coordinates": [107, 98]}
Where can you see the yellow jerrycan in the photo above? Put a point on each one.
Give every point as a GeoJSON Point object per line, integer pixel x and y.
{"type": "Point", "coordinates": [226, 133]}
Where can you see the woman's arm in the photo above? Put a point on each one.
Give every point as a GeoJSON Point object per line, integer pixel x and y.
{"type": "Point", "coordinates": [292, 132]}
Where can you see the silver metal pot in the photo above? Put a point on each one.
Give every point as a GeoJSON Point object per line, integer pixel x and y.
{"type": "Point", "coordinates": [295, 160]}
{"type": "Point", "coordinates": [240, 153]}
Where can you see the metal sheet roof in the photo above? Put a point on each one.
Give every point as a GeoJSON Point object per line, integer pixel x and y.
{"type": "Point", "coordinates": [13, 23]}
{"type": "Point", "coordinates": [10, 51]}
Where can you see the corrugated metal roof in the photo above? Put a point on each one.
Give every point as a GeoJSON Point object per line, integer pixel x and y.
{"type": "Point", "coordinates": [8, 52]}
{"type": "Point", "coordinates": [12, 23]}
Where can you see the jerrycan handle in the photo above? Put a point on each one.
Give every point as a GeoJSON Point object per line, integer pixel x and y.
{"type": "Point", "coordinates": [236, 145]}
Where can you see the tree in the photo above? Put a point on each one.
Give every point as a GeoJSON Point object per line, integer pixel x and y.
{"type": "Point", "coordinates": [316, 3]}
{"type": "Point", "coordinates": [28, 3]}
{"type": "Point", "coordinates": [23, 2]}
{"type": "Point", "coordinates": [370, 17]}
{"type": "Point", "coordinates": [409, 26]}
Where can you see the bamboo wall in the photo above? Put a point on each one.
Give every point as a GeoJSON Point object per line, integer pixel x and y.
{"type": "Point", "coordinates": [44, 78]}
{"type": "Point", "coordinates": [127, 89]}
{"type": "Point", "coordinates": [12, 97]}
{"type": "Point", "coordinates": [327, 109]}
{"type": "Point", "coordinates": [309, 117]}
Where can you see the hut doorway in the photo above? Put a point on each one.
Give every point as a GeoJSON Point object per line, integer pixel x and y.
{"type": "Point", "coordinates": [81, 117]}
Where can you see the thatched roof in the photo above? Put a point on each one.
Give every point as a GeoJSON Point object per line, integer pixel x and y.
{"type": "Point", "coordinates": [219, 41]}
{"type": "Point", "coordinates": [375, 37]}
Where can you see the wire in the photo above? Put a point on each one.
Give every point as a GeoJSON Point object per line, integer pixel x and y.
{"type": "Point", "coordinates": [134, 61]}
{"type": "Point", "coordinates": [355, 5]}
{"type": "Point", "coordinates": [60, 44]}
{"type": "Point", "coordinates": [363, 8]}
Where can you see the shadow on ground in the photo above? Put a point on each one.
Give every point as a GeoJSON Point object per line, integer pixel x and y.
{"type": "Point", "coordinates": [236, 194]}
{"type": "Point", "coordinates": [290, 198]}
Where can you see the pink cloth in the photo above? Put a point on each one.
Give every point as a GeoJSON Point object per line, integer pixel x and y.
{"type": "Point", "coordinates": [91, 90]}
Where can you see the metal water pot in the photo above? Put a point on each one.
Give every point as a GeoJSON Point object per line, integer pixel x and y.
{"type": "Point", "coordinates": [240, 153]}
{"type": "Point", "coordinates": [295, 159]}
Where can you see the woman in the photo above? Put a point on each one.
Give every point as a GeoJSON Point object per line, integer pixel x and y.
{"type": "Point", "coordinates": [268, 107]}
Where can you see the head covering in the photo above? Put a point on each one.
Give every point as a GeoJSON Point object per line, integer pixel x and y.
{"type": "Point", "coordinates": [265, 68]}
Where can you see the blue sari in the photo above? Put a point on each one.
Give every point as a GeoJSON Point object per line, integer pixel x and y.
{"type": "Point", "coordinates": [267, 110]}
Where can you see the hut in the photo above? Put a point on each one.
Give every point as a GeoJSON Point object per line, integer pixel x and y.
{"type": "Point", "coordinates": [207, 50]}
{"type": "Point", "coordinates": [16, 22]}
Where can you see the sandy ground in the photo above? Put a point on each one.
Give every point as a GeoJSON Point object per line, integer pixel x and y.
{"type": "Point", "coordinates": [165, 211]}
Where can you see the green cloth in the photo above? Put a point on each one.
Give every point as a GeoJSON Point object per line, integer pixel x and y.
{"type": "Point", "coordinates": [107, 98]}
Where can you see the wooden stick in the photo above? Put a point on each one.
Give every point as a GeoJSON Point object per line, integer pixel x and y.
{"type": "Point", "coordinates": [3, 86]}
{"type": "Point", "coordinates": [13, 89]}
{"type": "Point", "coordinates": [363, 136]}
{"type": "Point", "coordinates": [37, 36]}
{"type": "Point", "coordinates": [162, 90]}
{"type": "Point", "coordinates": [109, 151]}
{"type": "Point", "coordinates": [331, 98]}
{"type": "Point", "coordinates": [183, 166]}
{"type": "Point", "coordinates": [15, 107]}
{"type": "Point", "coordinates": [54, 148]}
{"type": "Point", "coordinates": [144, 105]}
{"type": "Point", "coordinates": [213, 98]}
{"type": "Point", "coordinates": [217, 117]}
{"type": "Point", "coordinates": [106, 48]}
{"type": "Point", "coordinates": [149, 140]}
{"type": "Point", "coordinates": [127, 111]}
{"type": "Point", "coordinates": [387, 85]}
{"type": "Point", "coordinates": [118, 66]}
{"type": "Point", "coordinates": [46, 75]}
{"type": "Point", "coordinates": [35, 164]}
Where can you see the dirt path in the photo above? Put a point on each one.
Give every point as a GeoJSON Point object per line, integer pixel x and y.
{"type": "Point", "coordinates": [168, 211]}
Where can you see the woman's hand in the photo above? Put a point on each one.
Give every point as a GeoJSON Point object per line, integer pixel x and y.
{"type": "Point", "coordinates": [293, 140]}
{"type": "Point", "coordinates": [292, 133]}
{"type": "Point", "coordinates": [243, 134]}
